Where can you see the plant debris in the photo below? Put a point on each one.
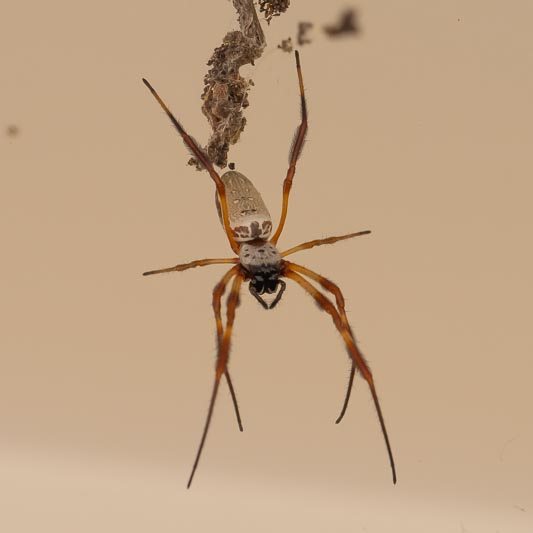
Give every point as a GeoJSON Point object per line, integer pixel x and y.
{"type": "Point", "coordinates": [286, 45]}
{"type": "Point", "coordinates": [12, 130]}
{"type": "Point", "coordinates": [347, 23]}
{"type": "Point", "coordinates": [225, 93]}
{"type": "Point", "coordinates": [273, 8]}
{"type": "Point", "coordinates": [303, 28]}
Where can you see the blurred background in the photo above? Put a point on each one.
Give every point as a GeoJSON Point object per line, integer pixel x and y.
{"type": "Point", "coordinates": [420, 130]}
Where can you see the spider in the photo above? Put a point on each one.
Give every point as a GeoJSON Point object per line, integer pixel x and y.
{"type": "Point", "coordinates": [248, 226]}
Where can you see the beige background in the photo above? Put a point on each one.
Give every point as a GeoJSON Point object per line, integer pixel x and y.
{"type": "Point", "coordinates": [421, 130]}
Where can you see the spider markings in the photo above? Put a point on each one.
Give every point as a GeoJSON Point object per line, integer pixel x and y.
{"type": "Point", "coordinates": [262, 265]}
{"type": "Point", "coordinates": [248, 215]}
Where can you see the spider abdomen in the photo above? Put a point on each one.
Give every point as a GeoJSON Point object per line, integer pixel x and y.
{"type": "Point", "coordinates": [248, 215]}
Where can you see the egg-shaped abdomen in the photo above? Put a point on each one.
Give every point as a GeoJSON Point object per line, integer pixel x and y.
{"type": "Point", "coordinates": [248, 215]}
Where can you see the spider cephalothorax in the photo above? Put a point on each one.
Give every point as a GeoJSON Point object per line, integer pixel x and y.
{"type": "Point", "coordinates": [262, 264]}
{"type": "Point", "coordinates": [248, 227]}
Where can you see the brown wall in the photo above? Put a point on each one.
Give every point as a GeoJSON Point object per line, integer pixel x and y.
{"type": "Point", "coordinates": [420, 130]}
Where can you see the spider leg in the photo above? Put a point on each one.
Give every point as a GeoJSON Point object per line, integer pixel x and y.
{"type": "Point", "coordinates": [257, 296]}
{"type": "Point", "coordinates": [295, 152]}
{"type": "Point", "coordinates": [279, 295]}
{"type": "Point", "coordinates": [357, 357]}
{"type": "Point", "coordinates": [192, 264]}
{"type": "Point", "coordinates": [222, 361]}
{"type": "Point", "coordinates": [234, 400]}
{"type": "Point", "coordinates": [320, 242]}
{"type": "Point", "coordinates": [339, 299]}
{"type": "Point", "coordinates": [223, 283]}
{"type": "Point", "coordinates": [349, 389]}
{"type": "Point", "coordinates": [218, 292]}
{"type": "Point", "coordinates": [201, 156]}
{"type": "Point", "coordinates": [276, 300]}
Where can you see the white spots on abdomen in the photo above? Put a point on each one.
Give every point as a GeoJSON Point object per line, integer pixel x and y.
{"type": "Point", "coordinates": [248, 215]}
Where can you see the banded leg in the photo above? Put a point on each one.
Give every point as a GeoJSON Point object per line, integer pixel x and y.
{"type": "Point", "coordinates": [295, 152]}
{"type": "Point", "coordinates": [339, 299]}
{"type": "Point", "coordinates": [223, 283]}
{"type": "Point", "coordinates": [218, 292]}
{"type": "Point", "coordinates": [201, 156]}
{"type": "Point", "coordinates": [320, 242]}
{"type": "Point", "coordinates": [192, 264]}
{"type": "Point", "coordinates": [222, 361]}
{"type": "Point", "coordinates": [357, 357]}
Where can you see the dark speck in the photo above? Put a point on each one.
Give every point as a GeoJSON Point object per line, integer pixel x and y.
{"type": "Point", "coordinates": [12, 130]}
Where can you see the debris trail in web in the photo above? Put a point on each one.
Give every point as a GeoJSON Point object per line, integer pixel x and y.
{"type": "Point", "coordinates": [225, 93]}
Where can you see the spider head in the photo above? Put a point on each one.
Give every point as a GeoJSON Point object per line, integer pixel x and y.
{"type": "Point", "coordinates": [267, 282]}
{"type": "Point", "coordinates": [263, 264]}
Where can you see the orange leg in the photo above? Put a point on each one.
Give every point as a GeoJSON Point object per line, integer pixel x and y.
{"type": "Point", "coordinates": [222, 362]}
{"type": "Point", "coordinates": [320, 242]}
{"type": "Point", "coordinates": [218, 292]}
{"type": "Point", "coordinates": [357, 357]}
{"type": "Point", "coordinates": [296, 150]}
{"type": "Point", "coordinates": [349, 389]}
{"type": "Point", "coordinates": [339, 298]}
{"type": "Point", "coordinates": [191, 144]}
{"type": "Point", "coordinates": [217, 295]}
{"type": "Point", "coordinates": [192, 264]}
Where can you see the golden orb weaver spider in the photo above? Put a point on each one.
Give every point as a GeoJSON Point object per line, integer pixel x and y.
{"type": "Point", "coordinates": [248, 226]}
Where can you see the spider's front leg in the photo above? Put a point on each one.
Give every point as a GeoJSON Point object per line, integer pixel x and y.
{"type": "Point", "coordinates": [356, 356]}
{"type": "Point", "coordinates": [296, 150]}
{"type": "Point", "coordinates": [203, 158]}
